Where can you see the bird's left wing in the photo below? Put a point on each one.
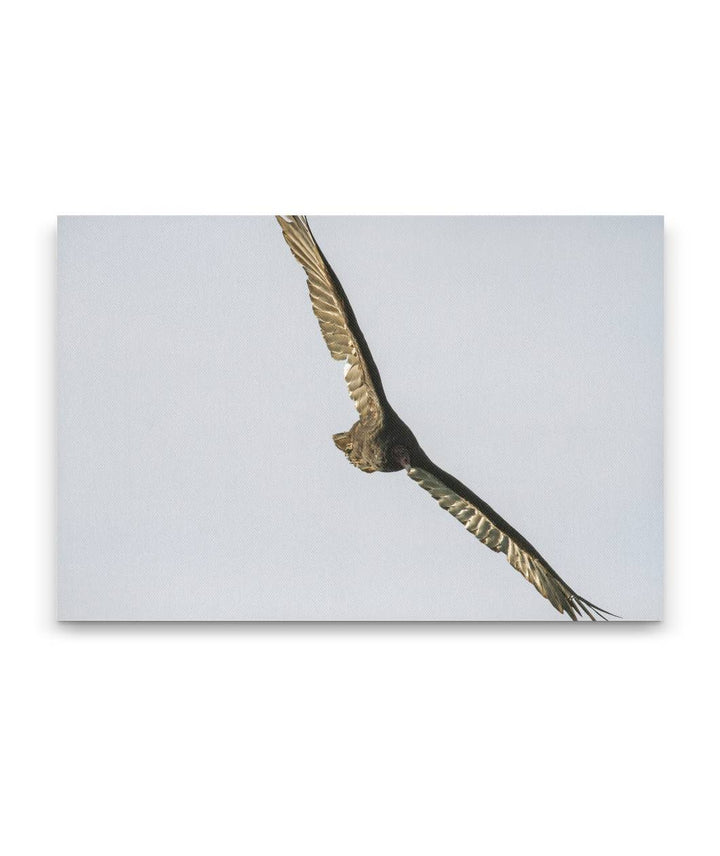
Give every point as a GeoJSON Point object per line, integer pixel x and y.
{"type": "Point", "coordinates": [490, 528]}
{"type": "Point", "coordinates": [338, 324]}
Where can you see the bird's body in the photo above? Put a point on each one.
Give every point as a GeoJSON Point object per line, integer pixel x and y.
{"type": "Point", "coordinates": [372, 444]}
{"type": "Point", "coordinates": [381, 442]}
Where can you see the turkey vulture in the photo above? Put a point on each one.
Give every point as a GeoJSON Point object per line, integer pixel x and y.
{"type": "Point", "coordinates": [381, 441]}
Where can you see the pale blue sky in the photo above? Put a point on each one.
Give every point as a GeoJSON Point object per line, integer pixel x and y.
{"type": "Point", "coordinates": [197, 474]}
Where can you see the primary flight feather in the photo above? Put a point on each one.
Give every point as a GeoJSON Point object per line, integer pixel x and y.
{"type": "Point", "coordinates": [381, 441]}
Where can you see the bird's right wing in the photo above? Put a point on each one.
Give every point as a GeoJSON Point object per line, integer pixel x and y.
{"type": "Point", "coordinates": [337, 320]}
{"type": "Point", "coordinates": [490, 528]}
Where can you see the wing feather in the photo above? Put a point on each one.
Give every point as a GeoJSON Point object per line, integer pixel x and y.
{"type": "Point", "coordinates": [337, 320]}
{"type": "Point", "coordinates": [489, 528]}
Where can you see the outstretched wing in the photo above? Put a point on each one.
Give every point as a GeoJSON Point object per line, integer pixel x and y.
{"type": "Point", "coordinates": [337, 320]}
{"type": "Point", "coordinates": [487, 526]}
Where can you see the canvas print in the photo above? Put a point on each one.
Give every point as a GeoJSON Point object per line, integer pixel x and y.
{"type": "Point", "coordinates": [204, 435]}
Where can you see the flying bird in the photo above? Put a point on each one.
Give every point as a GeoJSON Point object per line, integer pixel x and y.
{"type": "Point", "coordinates": [381, 442]}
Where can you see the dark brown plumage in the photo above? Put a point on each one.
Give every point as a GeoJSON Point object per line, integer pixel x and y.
{"type": "Point", "coordinates": [381, 441]}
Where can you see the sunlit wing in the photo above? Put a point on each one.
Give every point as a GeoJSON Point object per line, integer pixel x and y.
{"type": "Point", "coordinates": [487, 526]}
{"type": "Point", "coordinates": [337, 320]}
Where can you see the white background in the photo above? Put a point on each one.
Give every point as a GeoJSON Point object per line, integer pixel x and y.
{"type": "Point", "coordinates": [356, 739]}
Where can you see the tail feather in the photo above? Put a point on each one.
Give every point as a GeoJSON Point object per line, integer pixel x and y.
{"type": "Point", "coordinates": [342, 441]}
